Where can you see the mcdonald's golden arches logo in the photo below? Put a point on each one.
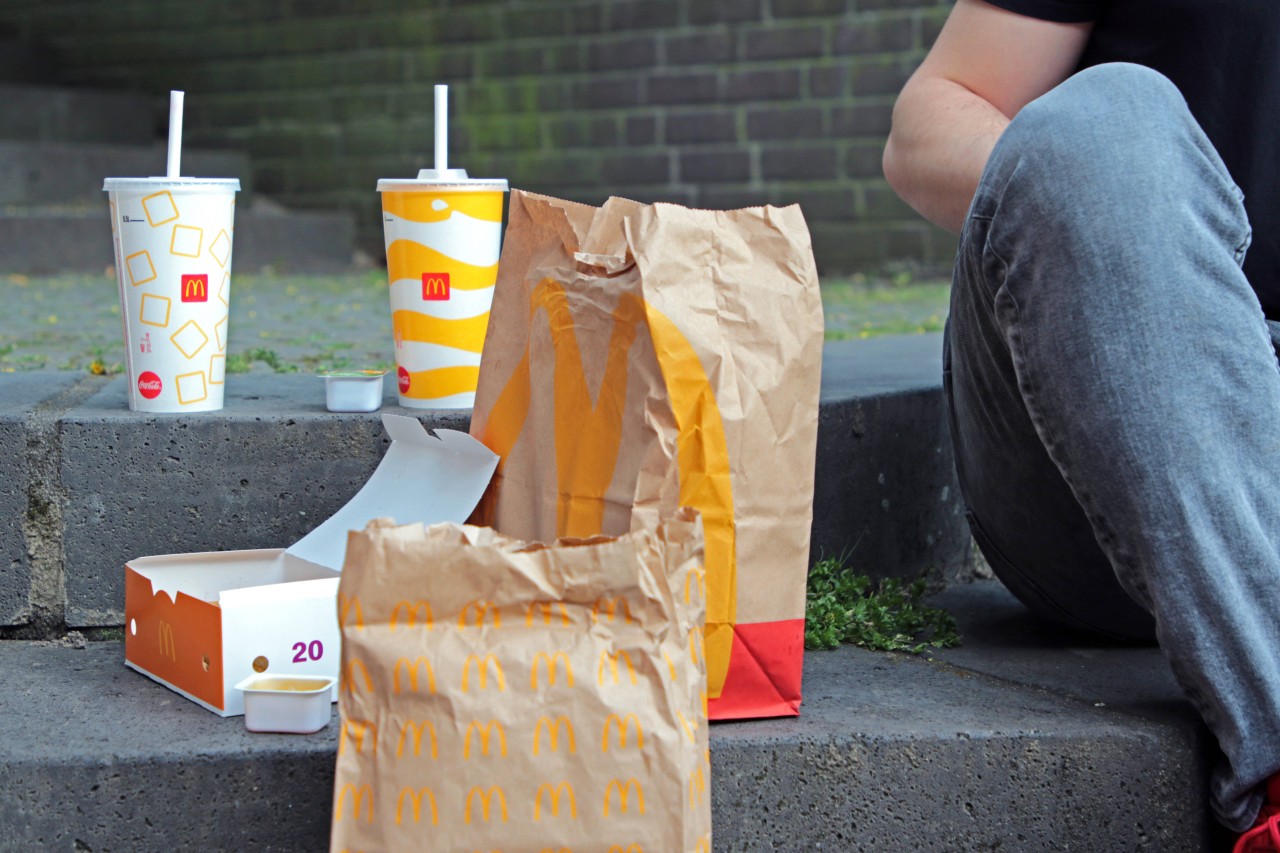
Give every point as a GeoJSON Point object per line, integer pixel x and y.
{"type": "Point", "coordinates": [486, 801]}
{"type": "Point", "coordinates": [623, 722]}
{"type": "Point", "coordinates": [349, 675]}
{"type": "Point", "coordinates": [415, 799]}
{"type": "Point", "coordinates": [612, 658]}
{"type": "Point", "coordinates": [695, 578]}
{"type": "Point", "coordinates": [348, 607]}
{"type": "Point", "coordinates": [361, 798]}
{"type": "Point", "coordinates": [411, 670]}
{"type": "Point", "coordinates": [418, 729]}
{"type": "Point", "coordinates": [482, 672]}
{"type": "Point", "coordinates": [413, 613]}
{"type": "Point", "coordinates": [545, 607]}
{"type": "Point", "coordinates": [610, 607]}
{"type": "Point", "coordinates": [697, 645]}
{"type": "Point", "coordinates": [485, 731]}
{"type": "Point", "coordinates": [584, 469]}
{"type": "Point", "coordinates": [697, 787]}
{"type": "Point", "coordinates": [355, 730]}
{"type": "Point", "coordinates": [703, 845]}
{"type": "Point", "coordinates": [690, 729]}
{"type": "Point", "coordinates": [479, 608]}
{"type": "Point", "coordinates": [621, 788]}
{"type": "Point", "coordinates": [168, 648]}
{"type": "Point", "coordinates": [435, 286]}
{"type": "Point", "coordinates": [195, 288]}
{"type": "Point", "coordinates": [554, 793]}
{"type": "Point", "coordinates": [550, 660]}
{"type": "Point", "coordinates": [552, 728]}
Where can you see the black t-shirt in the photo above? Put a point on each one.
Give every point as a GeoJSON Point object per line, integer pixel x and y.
{"type": "Point", "coordinates": [1224, 55]}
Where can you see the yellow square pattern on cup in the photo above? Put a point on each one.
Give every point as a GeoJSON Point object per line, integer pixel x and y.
{"type": "Point", "coordinates": [191, 387]}
{"type": "Point", "coordinates": [186, 241]}
{"type": "Point", "coordinates": [160, 208]}
{"type": "Point", "coordinates": [224, 291]}
{"type": "Point", "coordinates": [140, 268]}
{"type": "Point", "coordinates": [217, 369]}
{"type": "Point", "coordinates": [221, 248]}
{"type": "Point", "coordinates": [155, 310]}
{"type": "Point", "coordinates": [190, 339]}
{"type": "Point", "coordinates": [220, 330]}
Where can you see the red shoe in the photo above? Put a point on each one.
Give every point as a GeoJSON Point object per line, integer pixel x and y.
{"type": "Point", "coordinates": [1264, 837]}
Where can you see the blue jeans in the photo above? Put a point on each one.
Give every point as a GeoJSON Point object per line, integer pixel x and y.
{"type": "Point", "coordinates": [1115, 399]}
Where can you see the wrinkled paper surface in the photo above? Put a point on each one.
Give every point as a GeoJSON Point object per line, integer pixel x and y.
{"type": "Point", "coordinates": [646, 357]}
{"type": "Point", "coordinates": [497, 695]}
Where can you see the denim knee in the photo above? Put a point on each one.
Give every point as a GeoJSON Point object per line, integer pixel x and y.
{"type": "Point", "coordinates": [1116, 117]}
{"type": "Point", "coordinates": [1110, 132]}
{"type": "Point", "coordinates": [1107, 154]}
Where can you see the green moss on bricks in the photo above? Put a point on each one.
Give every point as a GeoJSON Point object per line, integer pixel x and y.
{"type": "Point", "coordinates": [483, 98]}
{"type": "Point", "coordinates": [39, 509]}
{"type": "Point", "coordinates": [509, 133]}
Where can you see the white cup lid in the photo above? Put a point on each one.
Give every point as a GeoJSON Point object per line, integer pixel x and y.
{"type": "Point", "coordinates": [155, 183]}
{"type": "Point", "coordinates": [453, 179]}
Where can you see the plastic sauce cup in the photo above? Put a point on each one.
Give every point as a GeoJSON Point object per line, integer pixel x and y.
{"type": "Point", "coordinates": [294, 704]}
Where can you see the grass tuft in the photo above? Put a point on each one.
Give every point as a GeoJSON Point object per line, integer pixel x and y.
{"type": "Point", "coordinates": [844, 607]}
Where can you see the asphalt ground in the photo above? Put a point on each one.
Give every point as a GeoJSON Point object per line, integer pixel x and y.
{"type": "Point", "coordinates": [309, 323]}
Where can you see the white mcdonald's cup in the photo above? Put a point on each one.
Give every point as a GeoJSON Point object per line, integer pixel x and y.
{"type": "Point", "coordinates": [172, 241]}
{"type": "Point", "coordinates": [443, 232]}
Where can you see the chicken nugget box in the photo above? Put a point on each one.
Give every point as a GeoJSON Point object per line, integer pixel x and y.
{"type": "Point", "coordinates": [201, 623]}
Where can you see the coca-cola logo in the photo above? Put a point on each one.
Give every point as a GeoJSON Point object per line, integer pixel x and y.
{"type": "Point", "coordinates": [149, 385]}
{"type": "Point", "coordinates": [404, 380]}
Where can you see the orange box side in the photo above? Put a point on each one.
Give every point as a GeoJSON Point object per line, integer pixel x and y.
{"type": "Point", "coordinates": [179, 641]}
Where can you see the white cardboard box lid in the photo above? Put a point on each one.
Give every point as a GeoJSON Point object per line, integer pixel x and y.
{"type": "Point", "coordinates": [423, 477]}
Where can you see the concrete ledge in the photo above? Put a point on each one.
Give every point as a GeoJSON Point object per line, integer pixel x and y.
{"type": "Point", "coordinates": [274, 463]}
{"type": "Point", "coordinates": [61, 114]}
{"type": "Point", "coordinates": [46, 242]}
{"type": "Point", "coordinates": [48, 172]}
{"type": "Point", "coordinates": [1018, 740]}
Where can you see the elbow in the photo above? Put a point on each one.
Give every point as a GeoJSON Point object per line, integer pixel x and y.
{"type": "Point", "coordinates": [891, 164]}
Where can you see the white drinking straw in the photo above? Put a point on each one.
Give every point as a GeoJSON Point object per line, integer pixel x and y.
{"type": "Point", "coordinates": [172, 169]}
{"type": "Point", "coordinates": [442, 128]}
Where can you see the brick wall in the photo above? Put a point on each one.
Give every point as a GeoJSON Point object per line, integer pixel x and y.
{"type": "Point", "coordinates": [713, 103]}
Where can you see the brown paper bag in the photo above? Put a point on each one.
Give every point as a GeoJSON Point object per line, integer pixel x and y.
{"type": "Point", "coordinates": [522, 698]}
{"type": "Point", "coordinates": [641, 358]}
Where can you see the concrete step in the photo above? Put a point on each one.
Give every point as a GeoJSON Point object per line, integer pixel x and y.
{"type": "Point", "coordinates": [86, 485]}
{"type": "Point", "coordinates": [77, 238]}
{"type": "Point", "coordinates": [38, 173]}
{"type": "Point", "coordinates": [62, 114]}
{"type": "Point", "coordinates": [1019, 740]}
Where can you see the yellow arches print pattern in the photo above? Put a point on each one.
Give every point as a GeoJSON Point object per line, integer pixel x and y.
{"type": "Point", "coordinates": [442, 262]}
{"type": "Point", "coordinates": [584, 470]}
{"type": "Point", "coordinates": [482, 716]}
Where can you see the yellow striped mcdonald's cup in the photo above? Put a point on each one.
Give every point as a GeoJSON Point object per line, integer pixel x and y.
{"type": "Point", "coordinates": [443, 233]}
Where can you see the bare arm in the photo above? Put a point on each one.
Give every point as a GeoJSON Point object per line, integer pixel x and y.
{"type": "Point", "coordinates": [986, 65]}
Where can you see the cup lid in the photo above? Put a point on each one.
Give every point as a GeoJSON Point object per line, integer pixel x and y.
{"type": "Point", "coordinates": [352, 374]}
{"type": "Point", "coordinates": [453, 179]}
{"type": "Point", "coordinates": [117, 184]}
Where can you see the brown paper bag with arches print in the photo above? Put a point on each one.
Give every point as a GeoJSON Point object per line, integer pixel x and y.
{"type": "Point", "coordinates": [644, 357]}
{"type": "Point", "coordinates": [502, 696]}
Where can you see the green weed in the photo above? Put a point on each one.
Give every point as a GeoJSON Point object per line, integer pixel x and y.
{"type": "Point", "coordinates": [843, 607]}
{"type": "Point", "coordinates": [243, 362]}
